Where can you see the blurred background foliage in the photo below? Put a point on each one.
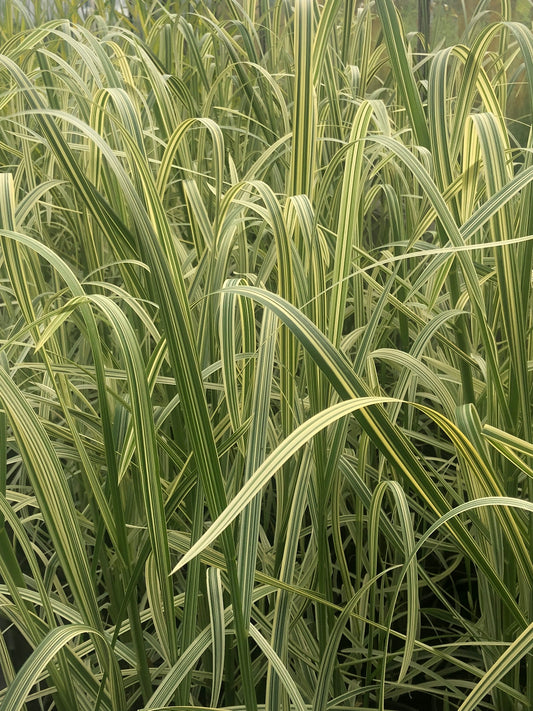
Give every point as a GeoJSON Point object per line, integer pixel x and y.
{"type": "Point", "coordinates": [448, 18]}
{"type": "Point", "coordinates": [447, 21]}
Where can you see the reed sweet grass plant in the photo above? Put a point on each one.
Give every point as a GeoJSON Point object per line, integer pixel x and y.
{"type": "Point", "coordinates": [266, 359]}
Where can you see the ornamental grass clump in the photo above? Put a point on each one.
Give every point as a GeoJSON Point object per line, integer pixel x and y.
{"type": "Point", "coordinates": [265, 349]}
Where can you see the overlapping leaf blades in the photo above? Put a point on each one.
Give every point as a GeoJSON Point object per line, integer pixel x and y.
{"type": "Point", "coordinates": [270, 311]}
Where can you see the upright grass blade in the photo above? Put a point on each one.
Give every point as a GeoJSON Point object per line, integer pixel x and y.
{"type": "Point", "coordinates": [349, 238]}
{"type": "Point", "coordinates": [255, 454]}
{"type": "Point", "coordinates": [304, 111]}
{"type": "Point", "coordinates": [237, 409]}
{"type": "Point", "coordinates": [280, 643]}
{"type": "Point", "coordinates": [324, 30]}
{"type": "Point", "coordinates": [403, 73]}
{"type": "Point", "coordinates": [408, 541]}
{"type": "Point", "coordinates": [498, 172]}
{"type": "Point", "coordinates": [216, 610]}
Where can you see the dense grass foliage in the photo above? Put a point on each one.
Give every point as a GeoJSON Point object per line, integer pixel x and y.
{"type": "Point", "coordinates": [265, 365]}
